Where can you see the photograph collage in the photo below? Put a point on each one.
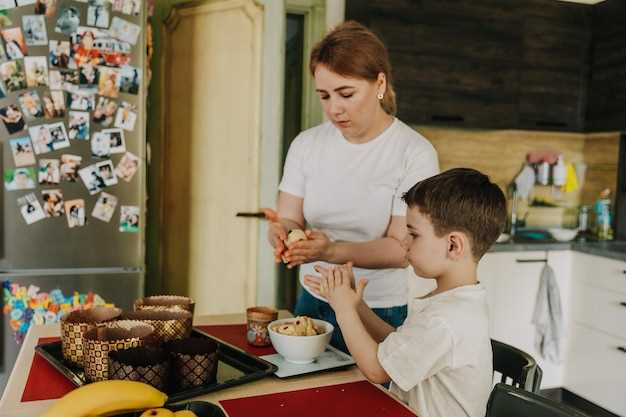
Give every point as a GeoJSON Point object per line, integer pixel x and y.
{"type": "Point", "coordinates": [66, 78]}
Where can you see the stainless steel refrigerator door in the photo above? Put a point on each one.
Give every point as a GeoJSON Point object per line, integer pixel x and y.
{"type": "Point", "coordinates": [115, 285]}
{"type": "Point", "coordinates": [50, 243]}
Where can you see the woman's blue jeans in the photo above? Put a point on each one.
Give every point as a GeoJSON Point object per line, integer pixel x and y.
{"type": "Point", "coordinates": [307, 305]}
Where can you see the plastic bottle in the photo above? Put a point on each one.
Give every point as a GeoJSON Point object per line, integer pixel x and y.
{"type": "Point", "coordinates": [559, 172]}
{"type": "Point", "coordinates": [602, 208]}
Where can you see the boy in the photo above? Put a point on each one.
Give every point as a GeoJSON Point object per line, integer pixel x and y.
{"type": "Point", "coordinates": [439, 361]}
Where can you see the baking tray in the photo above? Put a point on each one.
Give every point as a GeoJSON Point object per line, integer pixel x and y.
{"type": "Point", "coordinates": [235, 367]}
{"type": "Point", "coordinates": [199, 408]}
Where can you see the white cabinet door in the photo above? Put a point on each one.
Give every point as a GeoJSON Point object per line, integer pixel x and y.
{"type": "Point", "coordinates": [512, 281]}
{"type": "Point", "coordinates": [596, 368]}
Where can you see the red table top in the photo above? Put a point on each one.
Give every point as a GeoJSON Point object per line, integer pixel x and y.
{"type": "Point", "coordinates": [44, 382]}
{"type": "Point", "coordinates": [354, 399]}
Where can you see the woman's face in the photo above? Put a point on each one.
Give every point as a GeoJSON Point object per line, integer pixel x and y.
{"type": "Point", "coordinates": [350, 104]}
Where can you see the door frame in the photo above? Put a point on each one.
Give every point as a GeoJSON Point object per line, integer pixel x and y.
{"type": "Point", "coordinates": [319, 15]}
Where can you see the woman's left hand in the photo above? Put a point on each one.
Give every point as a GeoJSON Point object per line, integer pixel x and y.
{"type": "Point", "coordinates": [318, 247]}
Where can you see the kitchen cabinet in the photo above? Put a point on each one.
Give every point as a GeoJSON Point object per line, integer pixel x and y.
{"type": "Point", "coordinates": [554, 65]}
{"type": "Point", "coordinates": [596, 364]}
{"type": "Point", "coordinates": [486, 63]}
{"type": "Point", "coordinates": [606, 109]}
{"type": "Point", "coordinates": [512, 280]}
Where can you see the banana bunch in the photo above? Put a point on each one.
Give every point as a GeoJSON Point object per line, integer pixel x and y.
{"type": "Point", "coordinates": [107, 398]}
{"type": "Point", "coordinates": [164, 412]}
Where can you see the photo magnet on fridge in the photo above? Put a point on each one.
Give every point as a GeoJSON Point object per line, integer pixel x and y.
{"type": "Point", "coordinates": [70, 164]}
{"type": "Point", "coordinates": [13, 75]}
{"type": "Point", "coordinates": [31, 105]}
{"type": "Point", "coordinates": [92, 179]}
{"type": "Point", "coordinates": [75, 213]}
{"type": "Point", "coordinates": [129, 219]}
{"type": "Point", "coordinates": [20, 178]}
{"type": "Point", "coordinates": [30, 208]}
{"type": "Point", "coordinates": [36, 71]}
{"type": "Point", "coordinates": [105, 207]}
{"type": "Point", "coordinates": [12, 118]}
{"type": "Point", "coordinates": [14, 43]}
{"type": "Point", "coordinates": [104, 114]}
{"type": "Point", "coordinates": [126, 116]}
{"type": "Point", "coordinates": [35, 32]}
{"type": "Point", "coordinates": [127, 167]}
{"type": "Point", "coordinates": [78, 125]}
{"type": "Point", "coordinates": [22, 150]}
{"type": "Point", "coordinates": [53, 203]}
{"type": "Point", "coordinates": [49, 172]}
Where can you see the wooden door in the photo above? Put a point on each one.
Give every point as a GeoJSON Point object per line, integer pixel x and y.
{"type": "Point", "coordinates": [212, 75]}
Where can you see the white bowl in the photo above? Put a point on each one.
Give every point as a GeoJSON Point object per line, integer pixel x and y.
{"type": "Point", "coordinates": [301, 349]}
{"type": "Point", "coordinates": [563, 235]}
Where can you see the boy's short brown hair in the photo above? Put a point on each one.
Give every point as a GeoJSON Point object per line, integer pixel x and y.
{"type": "Point", "coordinates": [462, 199]}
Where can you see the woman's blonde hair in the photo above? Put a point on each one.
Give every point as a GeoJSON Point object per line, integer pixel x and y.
{"type": "Point", "coordinates": [352, 50]}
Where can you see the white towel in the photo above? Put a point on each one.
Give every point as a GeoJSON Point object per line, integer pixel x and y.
{"type": "Point", "coordinates": [525, 181]}
{"type": "Point", "coordinates": [548, 317]}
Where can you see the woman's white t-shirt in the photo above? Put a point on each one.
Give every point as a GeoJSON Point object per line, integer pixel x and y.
{"type": "Point", "coordinates": [350, 192]}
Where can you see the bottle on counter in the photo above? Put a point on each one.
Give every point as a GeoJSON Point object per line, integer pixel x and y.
{"type": "Point", "coordinates": [583, 223]}
{"type": "Point", "coordinates": [602, 209]}
{"type": "Point", "coordinates": [559, 172]}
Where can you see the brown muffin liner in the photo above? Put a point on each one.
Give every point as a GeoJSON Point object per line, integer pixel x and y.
{"type": "Point", "coordinates": [168, 324]}
{"type": "Point", "coordinates": [193, 362]}
{"type": "Point", "coordinates": [143, 364]}
{"type": "Point", "coordinates": [75, 324]}
{"type": "Point", "coordinates": [108, 337]}
{"type": "Point", "coordinates": [165, 302]}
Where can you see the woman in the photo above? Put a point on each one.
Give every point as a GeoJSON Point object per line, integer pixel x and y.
{"type": "Point", "coordinates": [346, 177]}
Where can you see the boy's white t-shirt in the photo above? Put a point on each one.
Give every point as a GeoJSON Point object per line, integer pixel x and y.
{"type": "Point", "coordinates": [440, 360]}
{"type": "Point", "coordinates": [350, 192]}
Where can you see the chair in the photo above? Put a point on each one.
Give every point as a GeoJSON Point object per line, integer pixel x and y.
{"type": "Point", "coordinates": [517, 365]}
{"type": "Point", "coordinates": [508, 401]}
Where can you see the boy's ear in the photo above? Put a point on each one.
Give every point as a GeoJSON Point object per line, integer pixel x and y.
{"type": "Point", "coordinates": [457, 245]}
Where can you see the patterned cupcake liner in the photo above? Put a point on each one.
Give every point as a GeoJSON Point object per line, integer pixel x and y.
{"type": "Point", "coordinates": [168, 325]}
{"type": "Point", "coordinates": [149, 365]}
{"type": "Point", "coordinates": [76, 324]}
{"type": "Point", "coordinates": [193, 361]}
{"type": "Point", "coordinates": [165, 302]}
{"type": "Point", "coordinates": [112, 336]}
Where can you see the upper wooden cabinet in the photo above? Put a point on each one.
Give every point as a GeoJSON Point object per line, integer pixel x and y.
{"type": "Point", "coordinates": [486, 63]}
{"type": "Point", "coordinates": [554, 65]}
{"type": "Point", "coordinates": [606, 109]}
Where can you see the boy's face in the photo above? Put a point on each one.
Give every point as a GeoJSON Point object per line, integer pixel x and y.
{"type": "Point", "coordinates": [427, 252]}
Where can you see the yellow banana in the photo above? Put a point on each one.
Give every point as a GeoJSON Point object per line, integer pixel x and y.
{"type": "Point", "coordinates": [158, 412]}
{"type": "Point", "coordinates": [105, 398]}
{"type": "Point", "coordinates": [185, 413]}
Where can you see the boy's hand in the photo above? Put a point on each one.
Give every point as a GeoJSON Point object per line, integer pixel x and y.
{"type": "Point", "coordinates": [335, 285]}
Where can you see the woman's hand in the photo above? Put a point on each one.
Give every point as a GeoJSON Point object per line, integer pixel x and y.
{"type": "Point", "coordinates": [276, 234]}
{"type": "Point", "coordinates": [317, 247]}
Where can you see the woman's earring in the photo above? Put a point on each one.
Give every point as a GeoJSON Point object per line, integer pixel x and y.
{"type": "Point", "coordinates": [380, 96]}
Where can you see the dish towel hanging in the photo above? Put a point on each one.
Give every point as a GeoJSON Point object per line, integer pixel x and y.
{"type": "Point", "coordinates": [548, 317]}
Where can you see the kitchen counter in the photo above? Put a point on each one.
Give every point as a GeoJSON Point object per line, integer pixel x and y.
{"type": "Point", "coordinates": [609, 249]}
{"type": "Point", "coordinates": [11, 404]}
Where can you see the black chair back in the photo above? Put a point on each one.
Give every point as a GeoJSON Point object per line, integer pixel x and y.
{"type": "Point", "coordinates": [508, 401]}
{"type": "Point", "coordinates": [517, 367]}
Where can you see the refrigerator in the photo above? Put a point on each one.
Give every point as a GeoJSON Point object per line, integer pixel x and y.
{"type": "Point", "coordinates": [107, 47]}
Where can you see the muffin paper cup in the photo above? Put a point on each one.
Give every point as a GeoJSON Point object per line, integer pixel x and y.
{"type": "Point", "coordinates": [145, 364]}
{"type": "Point", "coordinates": [112, 336]}
{"type": "Point", "coordinates": [168, 324]}
{"type": "Point", "coordinates": [193, 362]}
{"type": "Point", "coordinates": [165, 302]}
{"type": "Point", "coordinates": [75, 324]}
